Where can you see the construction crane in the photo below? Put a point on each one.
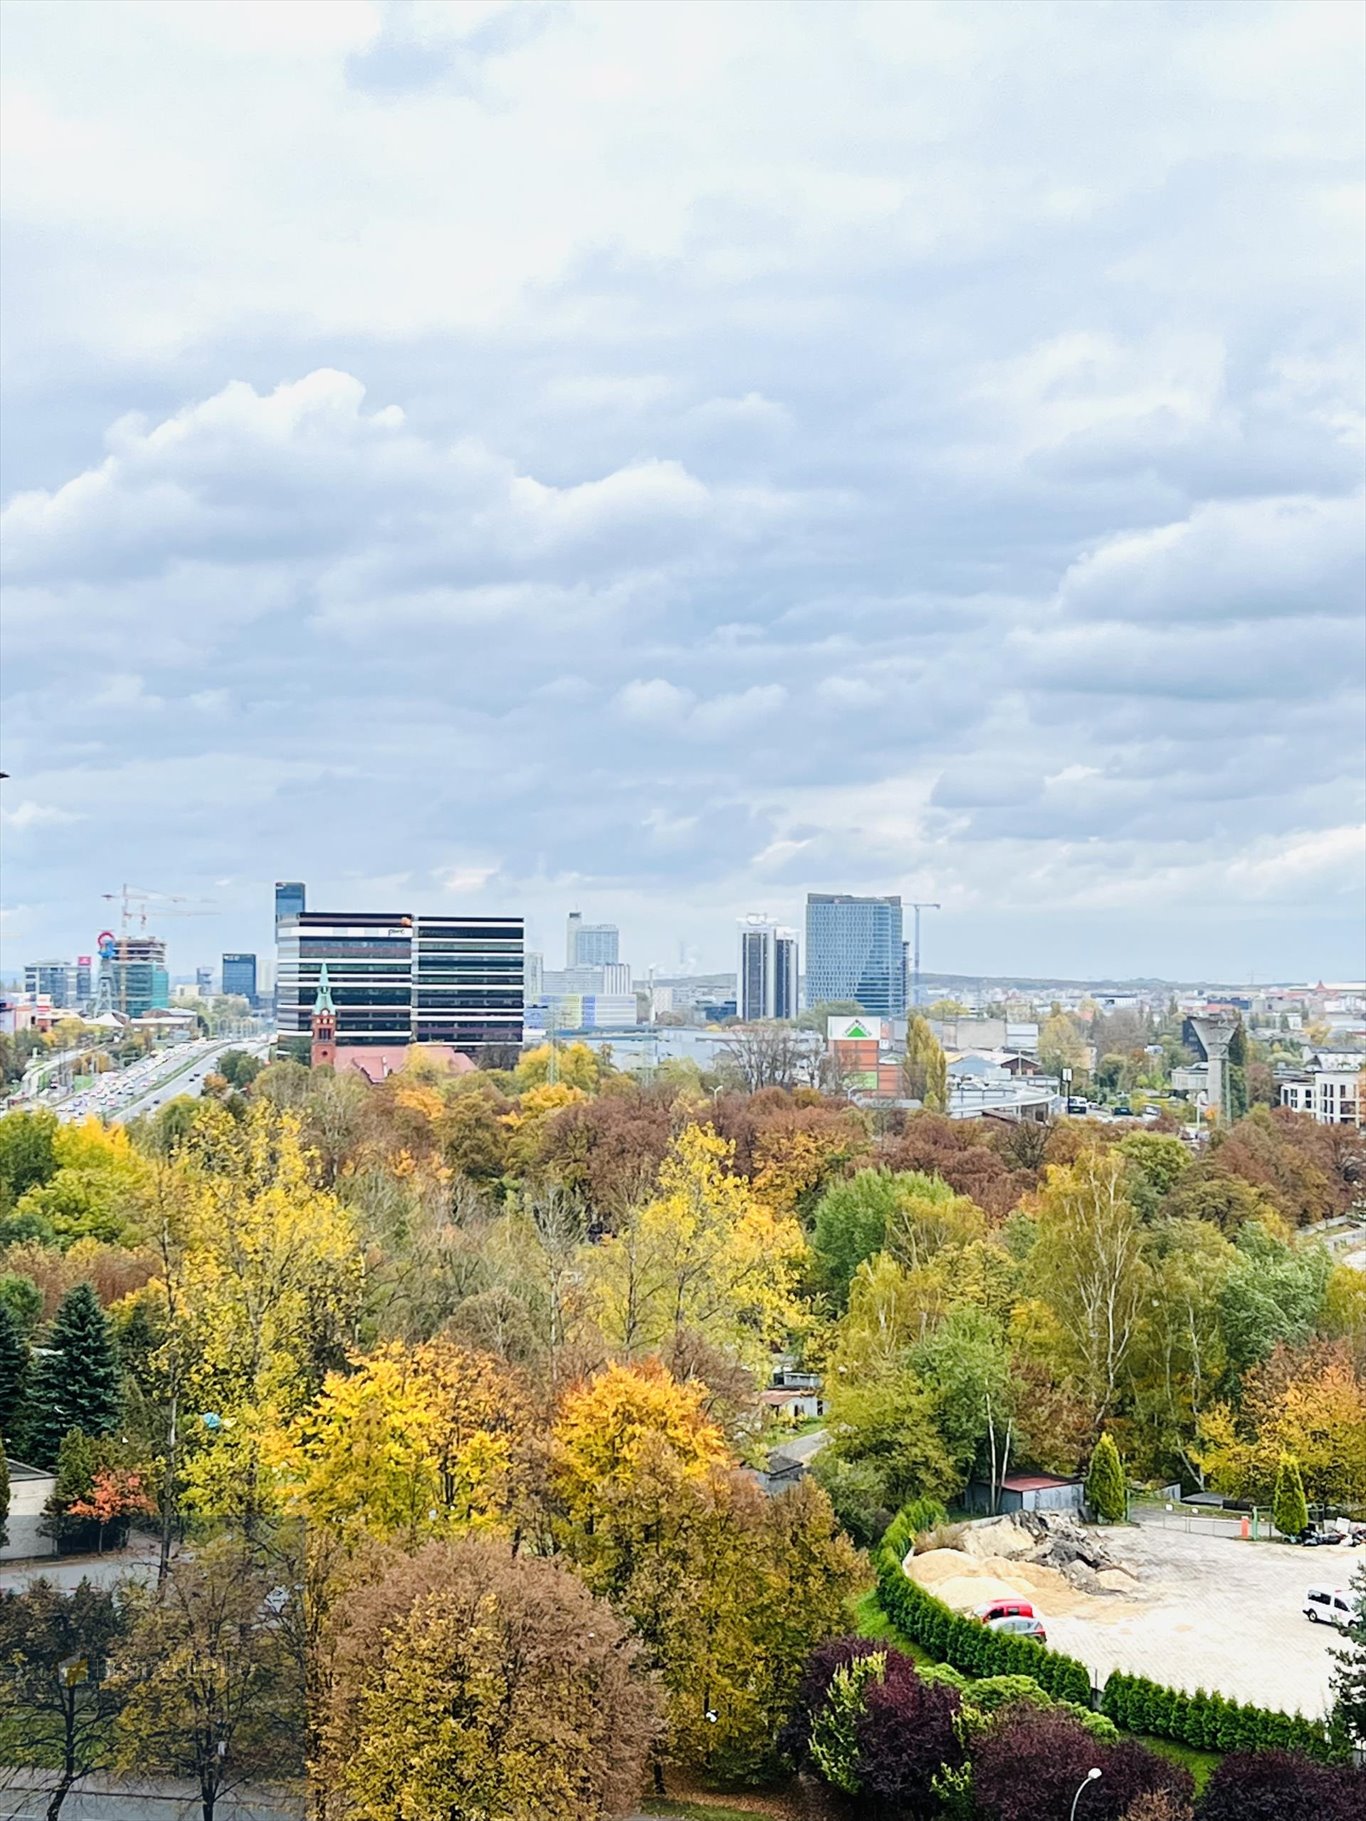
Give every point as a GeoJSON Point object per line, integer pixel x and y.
{"type": "Point", "coordinates": [133, 902]}
{"type": "Point", "coordinates": [924, 904]}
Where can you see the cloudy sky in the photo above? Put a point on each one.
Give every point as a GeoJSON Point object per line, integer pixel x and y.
{"type": "Point", "coordinates": [663, 459]}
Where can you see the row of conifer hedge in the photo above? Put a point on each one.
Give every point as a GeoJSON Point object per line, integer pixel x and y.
{"type": "Point", "coordinates": [1209, 1722]}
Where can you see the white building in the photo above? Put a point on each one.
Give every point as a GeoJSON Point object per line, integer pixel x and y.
{"type": "Point", "coordinates": [766, 979]}
{"type": "Point", "coordinates": [1333, 1096]}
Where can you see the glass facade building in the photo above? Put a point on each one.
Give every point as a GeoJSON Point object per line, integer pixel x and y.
{"type": "Point", "coordinates": [291, 900]}
{"type": "Point", "coordinates": [766, 977]}
{"type": "Point", "coordinates": [138, 980]}
{"type": "Point", "coordinates": [239, 976]}
{"type": "Point", "coordinates": [854, 952]}
{"type": "Point", "coordinates": [398, 979]}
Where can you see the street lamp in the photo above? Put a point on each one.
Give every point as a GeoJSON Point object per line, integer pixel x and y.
{"type": "Point", "coordinates": [1090, 1777]}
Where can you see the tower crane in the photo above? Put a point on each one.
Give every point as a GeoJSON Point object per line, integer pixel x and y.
{"type": "Point", "coordinates": [917, 907]}
{"type": "Point", "coordinates": [133, 901]}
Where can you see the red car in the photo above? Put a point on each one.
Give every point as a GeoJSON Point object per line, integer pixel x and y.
{"type": "Point", "coordinates": [1011, 1608]}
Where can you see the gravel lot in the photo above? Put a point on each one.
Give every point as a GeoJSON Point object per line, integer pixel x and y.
{"type": "Point", "coordinates": [1215, 1613]}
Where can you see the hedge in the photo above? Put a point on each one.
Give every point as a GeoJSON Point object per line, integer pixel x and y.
{"type": "Point", "coordinates": [1209, 1722]}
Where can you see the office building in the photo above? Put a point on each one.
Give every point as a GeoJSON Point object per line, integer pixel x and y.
{"type": "Point", "coordinates": [533, 975]}
{"type": "Point", "coordinates": [766, 979]}
{"type": "Point", "coordinates": [65, 983]}
{"type": "Point", "coordinates": [616, 977]}
{"type": "Point", "coordinates": [203, 982]}
{"type": "Point", "coordinates": [590, 944]}
{"type": "Point", "coordinates": [854, 952]}
{"type": "Point", "coordinates": [291, 900]}
{"type": "Point", "coordinates": [134, 968]}
{"type": "Point", "coordinates": [239, 977]}
{"type": "Point", "coordinates": [395, 979]}
{"type": "Point", "coordinates": [467, 982]}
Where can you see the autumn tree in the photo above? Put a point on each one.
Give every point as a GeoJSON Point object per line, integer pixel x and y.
{"type": "Point", "coordinates": [1308, 1404]}
{"type": "Point", "coordinates": [75, 1380]}
{"type": "Point", "coordinates": [271, 1291]}
{"type": "Point", "coordinates": [1087, 1268]}
{"type": "Point", "coordinates": [207, 1689]}
{"type": "Point", "coordinates": [1349, 1674]}
{"type": "Point", "coordinates": [925, 1070]}
{"type": "Point", "coordinates": [411, 1442]}
{"type": "Point", "coordinates": [471, 1683]}
{"type": "Point", "coordinates": [54, 1652]}
{"type": "Point", "coordinates": [703, 1256]}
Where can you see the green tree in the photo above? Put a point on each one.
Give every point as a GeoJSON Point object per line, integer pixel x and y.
{"type": "Point", "coordinates": [925, 1070]}
{"type": "Point", "coordinates": [28, 1153]}
{"type": "Point", "coordinates": [14, 1365]}
{"type": "Point", "coordinates": [852, 1220]}
{"type": "Point", "coordinates": [1105, 1488]}
{"type": "Point", "coordinates": [1289, 1511]}
{"type": "Point", "coordinates": [75, 1382]}
{"type": "Point", "coordinates": [55, 1647]}
{"type": "Point", "coordinates": [1349, 1675]}
{"type": "Point", "coordinates": [22, 1297]}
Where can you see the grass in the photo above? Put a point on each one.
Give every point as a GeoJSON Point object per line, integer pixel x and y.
{"type": "Point", "coordinates": [1200, 1764]}
{"type": "Point", "coordinates": [870, 1621]}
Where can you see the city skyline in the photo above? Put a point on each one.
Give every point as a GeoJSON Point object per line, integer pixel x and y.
{"type": "Point", "coordinates": [918, 454]}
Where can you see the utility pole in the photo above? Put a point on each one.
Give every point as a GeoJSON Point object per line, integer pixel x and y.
{"type": "Point", "coordinates": [917, 907]}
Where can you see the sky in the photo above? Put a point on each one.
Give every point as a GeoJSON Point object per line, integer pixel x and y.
{"type": "Point", "coordinates": [663, 459]}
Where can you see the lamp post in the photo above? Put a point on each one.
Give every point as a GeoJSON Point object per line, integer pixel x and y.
{"type": "Point", "coordinates": [1090, 1777]}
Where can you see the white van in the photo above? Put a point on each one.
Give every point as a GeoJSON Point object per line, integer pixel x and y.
{"type": "Point", "coordinates": [1329, 1605]}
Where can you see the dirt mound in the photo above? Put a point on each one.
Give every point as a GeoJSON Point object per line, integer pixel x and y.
{"type": "Point", "coordinates": [1055, 1564]}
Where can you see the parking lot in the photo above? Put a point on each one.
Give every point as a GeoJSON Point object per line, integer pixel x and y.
{"type": "Point", "coordinates": [1214, 1613]}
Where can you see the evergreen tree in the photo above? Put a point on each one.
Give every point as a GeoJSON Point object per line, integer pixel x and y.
{"type": "Point", "coordinates": [1349, 1678]}
{"type": "Point", "coordinates": [1105, 1489]}
{"type": "Point", "coordinates": [1289, 1512]}
{"type": "Point", "coordinates": [13, 1369]}
{"type": "Point", "coordinates": [75, 1382]}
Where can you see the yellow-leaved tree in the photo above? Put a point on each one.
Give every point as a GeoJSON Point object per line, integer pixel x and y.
{"type": "Point", "coordinates": [704, 1257]}
{"type": "Point", "coordinates": [411, 1442]}
{"type": "Point", "coordinates": [270, 1293]}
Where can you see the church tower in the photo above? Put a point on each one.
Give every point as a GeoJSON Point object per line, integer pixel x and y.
{"type": "Point", "coordinates": [324, 1025]}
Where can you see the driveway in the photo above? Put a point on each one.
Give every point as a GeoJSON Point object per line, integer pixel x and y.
{"type": "Point", "coordinates": [1217, 1613]}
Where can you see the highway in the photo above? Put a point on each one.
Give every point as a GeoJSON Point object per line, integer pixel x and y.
{"type": "Point", "coordinates": [145, 1085]}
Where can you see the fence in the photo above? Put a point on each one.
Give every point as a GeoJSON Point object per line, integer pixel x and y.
{"type": "Point", "coordinates": [1150, 1518]}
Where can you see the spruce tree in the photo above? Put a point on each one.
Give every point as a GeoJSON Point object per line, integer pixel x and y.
{"type": "Point", "coordinates": [13, 1370]}
{"type": "Point", "coordinates": [1349, 1677]}
{"type": "Point", "coordinates": [1289, 1512]}
{"type": "Point", "coordinates": [75, 1380]}
{"type": "Point", "coordinates": [1105, 1490]}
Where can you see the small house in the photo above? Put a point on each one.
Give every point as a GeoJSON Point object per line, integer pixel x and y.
{"type": "Point", "coordinates": [1026, 1492]}
{"type": "Point", "coordinates": [793, 1403]}
{"type": "Point", "coordinates": [29, 1491]}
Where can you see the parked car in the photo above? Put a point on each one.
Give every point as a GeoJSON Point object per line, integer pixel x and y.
{"type": "Point", "coordinates": [1329, 1606]}
{"type": "Point", "coordinates": [1077, 1106]}
{"type": "Point", "coordinates": [1004, 1609]}
{"type": "Point", "coordinates": [1020, 1626]}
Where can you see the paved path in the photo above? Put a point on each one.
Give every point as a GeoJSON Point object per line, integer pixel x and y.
{"type": "Point", "coordinates": [69, 1571]}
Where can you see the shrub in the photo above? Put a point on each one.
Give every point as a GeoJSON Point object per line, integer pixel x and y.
{"type": "Point", "coordinates": [1030, 1764]}
{"type": "Point", "coordinates": [834, 1743]}
{"type": "Point", "coordinates": [822, 1665]}
{"type": "Point", "coordinates": [1279, 1786]}
{"type": "Point", "coordinates": [907, 1738]}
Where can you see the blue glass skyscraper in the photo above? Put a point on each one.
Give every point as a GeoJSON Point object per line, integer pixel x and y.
{"type": "Point", "coordinates": [854, 952]}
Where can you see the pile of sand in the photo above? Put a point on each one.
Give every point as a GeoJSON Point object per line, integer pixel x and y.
{"type": "Point", "coordinates": [963, 1581]}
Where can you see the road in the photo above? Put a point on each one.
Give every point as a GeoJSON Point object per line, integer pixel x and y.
{"type": "Point", "coordinates": [22, 1798]}
{"type": "Point", "coordinates": [143, 1086]}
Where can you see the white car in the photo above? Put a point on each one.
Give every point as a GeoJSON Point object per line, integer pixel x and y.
{"type": "Point", "coordinates": [1329, 1606]}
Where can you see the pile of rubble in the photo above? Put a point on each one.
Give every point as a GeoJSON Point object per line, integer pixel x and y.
{"type": "Point", "coordinates": [1050, 1540]}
